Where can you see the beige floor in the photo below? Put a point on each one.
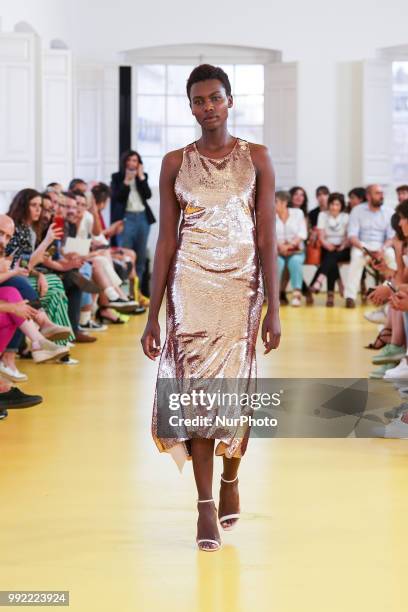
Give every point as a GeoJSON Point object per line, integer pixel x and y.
{"type": "Point", "coordinates": [90, 506]}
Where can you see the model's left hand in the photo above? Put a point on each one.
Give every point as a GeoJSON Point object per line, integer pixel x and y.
{"type": "Point", "coordinates": [271, 332]}
{"type": "Point", "coordinates": [140, 172]}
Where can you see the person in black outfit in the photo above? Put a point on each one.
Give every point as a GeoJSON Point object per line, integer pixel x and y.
{"type": "Point", "coordinates": [335, 244]}
{"type": "Point", "coordinates": [130, 192]}
{"type": "Point", "coordinates": [322, 196]}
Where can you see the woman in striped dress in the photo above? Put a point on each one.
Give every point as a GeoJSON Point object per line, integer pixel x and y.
{"type": "Point", "coordinates": [25, 210]}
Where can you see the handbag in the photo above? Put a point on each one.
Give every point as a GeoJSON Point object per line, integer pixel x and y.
{"type": "Point", "coordinates": [313, 250]}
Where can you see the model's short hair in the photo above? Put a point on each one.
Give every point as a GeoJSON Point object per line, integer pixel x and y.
{"type": "Point", "coordinates": [283, 196]}
{"type": "Point", "coordinates": [205, 72]}
{"type": "Point", "coordinates": [402, 188]}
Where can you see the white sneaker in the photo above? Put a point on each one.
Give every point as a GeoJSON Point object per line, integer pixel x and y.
{"type": "Point", "coordinates": [399, 372]}
{"type": "Point", "coordinates": [376, 316]}
{"type": "Point", "coordinates": [92, 326]}
{"type": "Point", "coordinates": [296, 301]}
{"type": "Point", "coordinates": [12, 373]}
{"type": "Point", "coordinates": [48, 352]}
{"type": "Point", "coordinates": [67, 360]}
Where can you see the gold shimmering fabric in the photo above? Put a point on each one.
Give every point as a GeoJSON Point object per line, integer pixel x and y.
{"type": "Point", "coordinates": [215, 287]}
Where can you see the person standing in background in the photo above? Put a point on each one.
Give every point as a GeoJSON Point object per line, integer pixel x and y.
{"type": "Point", "coordinates": [130, 192]}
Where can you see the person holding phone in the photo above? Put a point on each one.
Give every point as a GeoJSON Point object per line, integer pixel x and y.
{"type": "Point", "coordinates": [25, 210]}
{"type": "Point", "coordinates": [130, 192]}
{"type": "Point", "coordinates": [369, 228]}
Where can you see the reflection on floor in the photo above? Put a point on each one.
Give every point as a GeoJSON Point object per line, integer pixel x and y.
{"type": "Point", "coordinates": [89, 505]}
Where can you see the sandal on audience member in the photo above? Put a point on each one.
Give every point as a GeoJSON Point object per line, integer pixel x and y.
{"type": "Point", "coordinates": [383, 338]}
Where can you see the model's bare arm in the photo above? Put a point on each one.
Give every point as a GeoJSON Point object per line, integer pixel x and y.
{"type": "Point", "coordinates": [267, 243]}
{"type": "Point", "coordinates": [165, 249]}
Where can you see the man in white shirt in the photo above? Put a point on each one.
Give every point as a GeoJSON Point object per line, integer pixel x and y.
{"type": "Point", "coordinates": [369, 227]}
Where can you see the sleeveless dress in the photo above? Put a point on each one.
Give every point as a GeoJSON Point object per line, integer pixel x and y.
{"type": "Point", "coordinates": [215, 288]}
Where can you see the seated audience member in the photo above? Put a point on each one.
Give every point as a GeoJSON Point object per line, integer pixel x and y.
{"type": "Point", "coordinates": [369, 228]}
{"type": "Point", "coordinates": [356, 196]}
{"type": "Point", "coordinates": [25, 210]}
{"type": "Point", "coordinates": [75, 283]}
{"type": "Point", "coordinates": [402, 193]}
{"type": "Point", "coordinates": [120, 255]}
{"type": "Point", "coordinates": [16, 314]}
{"type": "Point", "coordinates": [15, 277]}
{"type": "Point", "coordinates": [332, 228]}
{"type": "Point", "coordinates": [101, 194]}
{"type": "Point", "coordinates": [298, 199]}
{"type": "Point", "coordinates": [393, 337]}
{"type": "Point", "coordinates": [291, 232]}
{"type": "Point", "coordinates": [48, 211]}
{"type": "Point", "coordinates": [103, 273]}
{"type": "Point", "coordinates": [88, 217]}
{"type": "Point", "coordinates": [322, 197]}
{"type": "Point", "coordinates": [55, 199]}
{"type": "Point", "coordinates": [12, 316]}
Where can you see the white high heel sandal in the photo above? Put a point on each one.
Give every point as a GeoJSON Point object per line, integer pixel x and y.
{"type": "Point", "coordinates": [227, 517]}
{"type": "Point", "coordinates": [203, 501]}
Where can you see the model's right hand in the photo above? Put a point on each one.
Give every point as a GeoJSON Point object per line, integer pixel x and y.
{"type": "Point", "coordinates": [151, 340]}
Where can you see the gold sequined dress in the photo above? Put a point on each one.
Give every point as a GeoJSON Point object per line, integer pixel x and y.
{"type": "Point", "coordinates": [215, 286]}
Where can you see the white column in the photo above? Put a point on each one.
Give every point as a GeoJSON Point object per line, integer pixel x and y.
{"type": "Point", "coordinates": [57, 108]}
{"type": "Point", "coordinates": [20, 116]}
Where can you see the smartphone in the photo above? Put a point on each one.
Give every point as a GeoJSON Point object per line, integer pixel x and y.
{"type": "Point", "coordinates": [393, 289]}
{"type": "Point", "coordinates": [35, 304]}
{"type": "Point", "coordinates": [24, 260]}
{"type": "Point", "coordinates": [370, 254]}
{"type": "Point", "coordinates": [59, 222]}
{"type": "Point", "coordinates": [52, 249]}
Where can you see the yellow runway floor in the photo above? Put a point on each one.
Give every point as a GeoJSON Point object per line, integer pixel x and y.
{"type": "Point", "coordinates": [89, 505]}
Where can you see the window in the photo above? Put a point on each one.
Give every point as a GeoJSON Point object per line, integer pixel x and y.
{"type": "Point", "coordinates": [164, 119]}
{"type": "Point", "coordinates": [400, 122]}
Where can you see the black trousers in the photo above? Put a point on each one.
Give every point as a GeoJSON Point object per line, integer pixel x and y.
{"type": "Point", "coordinates": [329, 265]}
{"type": "Point", "coordinates": [74, 295]}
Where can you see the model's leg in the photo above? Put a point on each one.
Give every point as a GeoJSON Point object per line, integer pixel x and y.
{"type": "Point", "coordinates": [202, 452]}
{"type": "Point", "coordinates": [229, 494]}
